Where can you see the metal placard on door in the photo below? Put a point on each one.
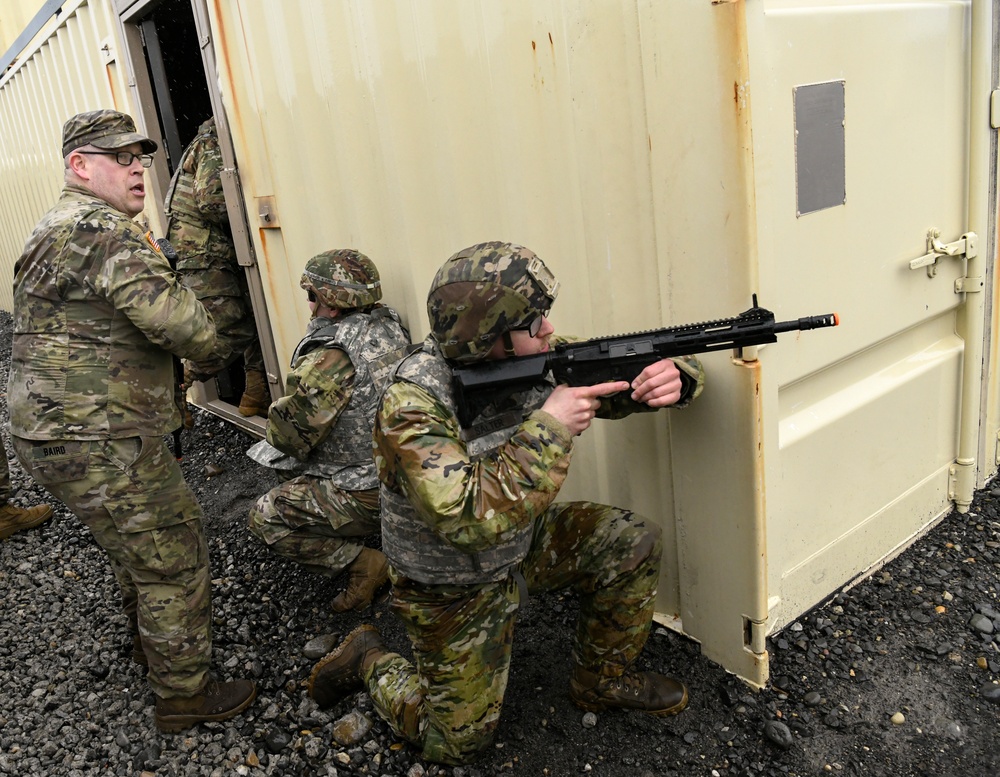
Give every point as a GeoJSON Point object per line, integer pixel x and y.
{"type": "Point", "coordinates": [820, 178]}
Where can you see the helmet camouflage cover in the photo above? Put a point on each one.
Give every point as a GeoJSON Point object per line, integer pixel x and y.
{"type": "Point", "coordinates": [343, 278]}
{"type": "Point", "coordinates": [482, 292]}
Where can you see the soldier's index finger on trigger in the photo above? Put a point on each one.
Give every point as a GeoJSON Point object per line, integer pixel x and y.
{"type": "Point", "coordinates": [604, 389]}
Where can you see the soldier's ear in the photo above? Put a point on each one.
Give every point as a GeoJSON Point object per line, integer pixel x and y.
{"type": "Point", "coordinates": [77, 164]}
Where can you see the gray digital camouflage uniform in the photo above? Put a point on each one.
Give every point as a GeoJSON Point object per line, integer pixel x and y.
{"type": "Point", "coordinates": [321, 430]}
{"type": "Point", "coordinates": [198, 229]}
{"type": "Point", "coordinates": [97, 315]}
{"type": "Point", "coordinates": [468, 521]}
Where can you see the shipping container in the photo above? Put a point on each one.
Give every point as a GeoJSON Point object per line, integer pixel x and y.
{"type": "Point", "coordinates": [668, 161]}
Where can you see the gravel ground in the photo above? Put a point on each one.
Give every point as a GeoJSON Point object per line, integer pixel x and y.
{"type": "Point", "coordinates": [895, 677]}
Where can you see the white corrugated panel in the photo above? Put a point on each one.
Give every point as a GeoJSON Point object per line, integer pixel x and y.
{"type": "Point", "coordinates": [64, 71]}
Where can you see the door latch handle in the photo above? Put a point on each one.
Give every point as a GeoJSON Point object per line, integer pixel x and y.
{"type": "Point", "coordinates": [966, 246]}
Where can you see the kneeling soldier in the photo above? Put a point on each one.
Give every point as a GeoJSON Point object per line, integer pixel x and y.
{"type": "Point", "coordinates": [321, 430]}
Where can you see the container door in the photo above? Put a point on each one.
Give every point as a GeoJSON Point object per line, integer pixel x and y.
{"type": "Point", "coordinates": [862, 170]}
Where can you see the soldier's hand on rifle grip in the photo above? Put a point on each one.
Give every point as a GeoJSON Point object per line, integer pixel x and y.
{"type": "Point", "coordinates": [659, 385]}
{"type": "Point", "coordinates": [576, 406]}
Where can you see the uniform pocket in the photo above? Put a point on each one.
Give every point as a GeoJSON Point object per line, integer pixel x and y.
{"type": "Point", "coordinates": [54, 461]}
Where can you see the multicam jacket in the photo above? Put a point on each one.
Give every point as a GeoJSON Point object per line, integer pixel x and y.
{"type": "Point", "coordinates": [323, 424]}
{"type": "Point", "coordinates": [459, 505]}
{"type": "Point", "coordinates": [97, 315]}
{"type": "Point", "coordinates": [197, 220]}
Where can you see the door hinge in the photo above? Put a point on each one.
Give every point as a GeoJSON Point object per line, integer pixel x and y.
{"type": "Point", "coordinates": [755, 635]}
{"type": "Point", "coordinates": [961, 482]}
{"type": "Point", "coordinates": [966, 247]}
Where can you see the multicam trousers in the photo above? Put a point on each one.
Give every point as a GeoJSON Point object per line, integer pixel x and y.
{"type": "Point", "coordinates": [132, 496]}
{"type": "Point", "coordinates": [311, 521]}
{"type": "Point", "coordinates": [449, 703]}
{"type": "Point", "coordinates": [236, 327]}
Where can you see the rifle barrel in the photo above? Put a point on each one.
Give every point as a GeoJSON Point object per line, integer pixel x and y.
{"type": "Point", "coordinates": [809, 322]}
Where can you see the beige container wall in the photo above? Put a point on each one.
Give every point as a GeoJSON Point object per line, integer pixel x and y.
{"type": "Point", "coordinates": [410, 131]}
{"type": "Point", "coordinates": [70, 66]}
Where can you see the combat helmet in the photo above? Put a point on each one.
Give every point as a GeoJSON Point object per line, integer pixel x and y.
{"type": "Point", "coordinates": [482, 292]}
{"type": "Point", "coordinates": [343, 278]}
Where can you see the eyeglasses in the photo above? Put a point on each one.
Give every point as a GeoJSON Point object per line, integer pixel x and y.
{"type": "Point", "coordinates": [533, 327]}
{"type": "Point", "coordinates": [311, 295]}
{"type": "Point", "coordinates": [124, 158]}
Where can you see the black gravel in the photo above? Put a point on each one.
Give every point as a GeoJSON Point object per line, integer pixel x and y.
{"type": "Point", "coordinates": [892, 678]}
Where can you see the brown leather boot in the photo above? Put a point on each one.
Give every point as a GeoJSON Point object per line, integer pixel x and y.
{"type": "Point", "coordinates": [218, 701]}
{"type": "Point", "coordinates": [14, 519]}
{"type": "Point", "coordinates": [366, 574]}
{"type": "Point", "coordinates": [649, 692]}
{"type": "Point", "coordinates": [256, 397]}
{"type": "Point", "coordinates": [339, 673]}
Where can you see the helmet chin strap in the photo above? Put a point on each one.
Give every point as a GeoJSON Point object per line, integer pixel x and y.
{"type": "Point", "coordinates": [508, 344]}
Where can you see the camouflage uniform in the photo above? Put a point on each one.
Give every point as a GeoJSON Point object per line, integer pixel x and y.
{"type": "Point", "coordinates": [470, 525]}
{"type": "Point", "coordinates": [198, 229]}
{"type": "Point", "coordinates": [97, 315]}
{"type": "Point", "coordinates": [321, 429]}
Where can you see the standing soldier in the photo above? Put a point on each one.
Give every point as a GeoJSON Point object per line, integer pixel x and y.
{"type": "Point", "coordinates": [14, 518]}
{"type": "Point", "coordinates": [321, 429]}
{"type": "Point", "coordinates": [198, 229]}
{"type": "Point", "coordinates": [97, 315]}
{"type": "Point", "coordinates": [470, 524]}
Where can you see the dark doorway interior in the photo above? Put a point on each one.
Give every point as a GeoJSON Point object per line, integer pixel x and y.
{"type": "Point", "coordinates": [181, 95]}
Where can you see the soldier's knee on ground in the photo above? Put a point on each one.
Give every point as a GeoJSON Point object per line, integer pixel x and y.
{"type": "Point", "coordinates": [457, 748]}
{"type": "Point", "coordinates": [258, 516]}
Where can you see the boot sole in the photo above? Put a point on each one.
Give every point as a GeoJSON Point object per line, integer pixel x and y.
{"type": "Point", "coordinates": [171, 724]}
{"type": "Point", "coordinates": [336, 653]}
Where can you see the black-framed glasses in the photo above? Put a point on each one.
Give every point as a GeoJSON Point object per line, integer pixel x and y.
{"type": "Point", "coordinates": [311, 295]}
{"type": "Point", "coordinates": [124, 158]}
{"type": "Point", "coordinates": [533, 327]}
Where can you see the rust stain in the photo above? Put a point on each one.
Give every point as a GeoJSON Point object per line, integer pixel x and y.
{"type": "Point", "coordinates": [551, 43]}
{"type": "Point", "coordinates": [533, 47]}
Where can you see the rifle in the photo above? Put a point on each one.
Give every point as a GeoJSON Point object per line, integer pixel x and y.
{"type": "Point", "coordinates": [171, 255]}
{"type": "Point", "coordinates": [618, 357]}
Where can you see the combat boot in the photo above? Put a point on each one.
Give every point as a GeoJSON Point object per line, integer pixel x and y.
{"type": "Point", "coordinates": [218, 701]}
{"type": "Point", "coordinates": [366, 574]}
{"type": "Point", "coordinates": [339, 673]}
{"type": "Point", "coordinates": [14, 519]}
{"type": "Point", "coordinates": [649, 692]}
{"type": "Point", "coordinates": [256, 397]}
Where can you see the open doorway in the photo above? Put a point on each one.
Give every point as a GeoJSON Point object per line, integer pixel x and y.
{"type": "Point", "coordinates": [170, 54]}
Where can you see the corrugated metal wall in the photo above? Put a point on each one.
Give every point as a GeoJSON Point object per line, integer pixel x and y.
{"type": "Point", "coordinates": [69, 70]}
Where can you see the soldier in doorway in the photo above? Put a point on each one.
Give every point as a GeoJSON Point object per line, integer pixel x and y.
{"type": "Point", "coordinates": [198, 229]}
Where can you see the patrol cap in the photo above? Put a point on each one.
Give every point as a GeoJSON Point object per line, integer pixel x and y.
{"type": "Point", "coordinates": [105, 129]}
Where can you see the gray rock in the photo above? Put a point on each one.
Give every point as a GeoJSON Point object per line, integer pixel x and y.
{"type": "Point", "coordinates": [321, 645]}
{"type": "Point", "coordinates": [778, 733]}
